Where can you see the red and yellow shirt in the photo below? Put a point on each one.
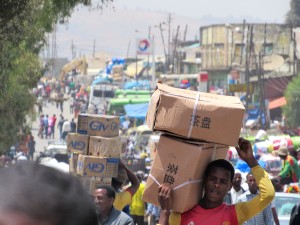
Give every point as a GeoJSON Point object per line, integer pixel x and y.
{"type": "Point", "coordinates": [230, 214]}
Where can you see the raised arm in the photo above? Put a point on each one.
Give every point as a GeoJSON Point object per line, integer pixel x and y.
{"type": "Point", "coordinates": [247, 210]}
{"type": "Point", "coordinates": [135, 183]}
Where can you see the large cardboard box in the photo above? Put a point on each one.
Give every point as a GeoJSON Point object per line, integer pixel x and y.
{"type": "Point", "coordinates": [105, 147]}
{"type": "Point", "coordinates": [77, 143]}
{"type": "Point", "coordinates": [73, 163]}
{"type": "Point", "coordinates": [91, 183]}
{"type": "Point", "coordinates": [98, 125]}
{"type": "Point", "coordinates": [124, 141]}
{"type": "Point", "coordinates": [181, 166]}
{"type": "Point", "coordinates": [92, 166]}
{"type": "Point", "coordinates": [196, 115]}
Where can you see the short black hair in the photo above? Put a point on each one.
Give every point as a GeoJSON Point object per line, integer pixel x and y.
{"type": "Point", "coordinates": [110, 192]}
{"type": "Point", "coordinates": [249, 174]}
{"type": "Point", "coordinates": [221, 163]}
{"type": "Point", "coordinates": [45, 193]}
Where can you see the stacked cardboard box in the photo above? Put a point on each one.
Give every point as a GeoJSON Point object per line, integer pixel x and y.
{"type": "Point", "coordinates": [95, 149]}
{"type": "Point", "coordinates": [198, 128]}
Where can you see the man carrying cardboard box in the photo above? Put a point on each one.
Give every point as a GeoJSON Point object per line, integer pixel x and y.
{"type": "Point", "coordinates": [217, 182]}
{"type": "Point", "coordinates": [123, 198]}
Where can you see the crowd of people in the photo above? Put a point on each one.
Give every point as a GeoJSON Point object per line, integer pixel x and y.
{"type": "Point", "coordinates": [226, 200]}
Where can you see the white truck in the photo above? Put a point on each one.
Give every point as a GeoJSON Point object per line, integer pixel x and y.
{"type": "Point", "coordinates": [100, 96]}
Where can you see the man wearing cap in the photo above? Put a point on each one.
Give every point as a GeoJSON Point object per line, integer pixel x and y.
{"type": "Point", "coordinates": [290, 172]}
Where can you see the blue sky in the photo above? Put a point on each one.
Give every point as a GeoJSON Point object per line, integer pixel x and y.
{"type": "Point", "coordinates": [114, 29]}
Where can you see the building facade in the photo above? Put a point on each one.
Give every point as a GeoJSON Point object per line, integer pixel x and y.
{"type": "Point", "coordinates": [229, 50]}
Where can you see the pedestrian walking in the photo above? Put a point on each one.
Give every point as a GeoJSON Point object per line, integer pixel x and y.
{"type": "Point", "coordinates": [73, 126]}
{"type": "Point", "coordinates": [31, 146]}
{"type": "Point", "coordinates": [60, 126]}
{"type": "Point", "coordinates": [46, 125]}
{"type": "Point", "coordinates": [52, 122]}
{"type": "Point", "coordinates": [66, 128]}
{"type": "Point", "coordinates": [41, 127]}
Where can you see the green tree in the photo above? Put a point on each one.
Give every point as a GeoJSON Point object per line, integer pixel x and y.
{"type": "Point", "coordinates": [293, 15]}
{"type": "Point", "coordinates": [292, 108]}
{"type": "Point", "coordinates": [23, 28]}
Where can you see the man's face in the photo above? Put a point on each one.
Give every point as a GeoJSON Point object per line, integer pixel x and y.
{"type": "Point", "coordinates": [102, 201]}
{"type": "Point", "coordinates": [237, 180]}
{"type": "Point", "coordinates": [252, 183]}
{"type": "Point", "coordinates": [298, 155]}
{"type": "Point", "coordinates": [217, 184]}
{"type": "Point", "coordinates": [15, 218]}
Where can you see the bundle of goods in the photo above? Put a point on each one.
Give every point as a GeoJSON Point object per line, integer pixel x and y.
{"type": "Point", "coordinates": [196, 128]}
{"type": "Point", "coordinates": [95, 149]}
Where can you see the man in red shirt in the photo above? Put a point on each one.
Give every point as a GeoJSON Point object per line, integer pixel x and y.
{"type": "Point", "coordinates": [217, 182]}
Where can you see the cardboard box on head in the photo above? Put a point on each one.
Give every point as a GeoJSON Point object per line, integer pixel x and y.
{"type": "Point", "coordinates": [92, 166]}
{"type": "Point", "coordinates": [73, 163]}
{"type": "Point", "coordinates": [181, 165]}
{"type": "Point", "coordinates": [98, 125]}
{"type": "Point", "coordinates": [105, 147]}
{"type": "Point", "coordinates": [77, 143]}
{"type": "Point", "coordinates": [91, 183]}
{"type": "Point", "coordinates": [196, 115]}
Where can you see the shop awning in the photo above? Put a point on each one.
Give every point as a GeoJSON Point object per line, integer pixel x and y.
{"type": "Point", "coordinates": [278, 102]}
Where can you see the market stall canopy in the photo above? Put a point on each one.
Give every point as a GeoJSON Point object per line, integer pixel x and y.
{"type": "Point", "coordinates": [137, 111]}
{"type": "Point", "coordinates": [279, 102]}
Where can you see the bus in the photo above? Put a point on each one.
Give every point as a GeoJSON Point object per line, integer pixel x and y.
{"type": "Point", "coordinates": [121, 93]}
{"type": "Point", "coordinates": [116, 105]}
{"type": "Point", "coordinates": [100, 95]}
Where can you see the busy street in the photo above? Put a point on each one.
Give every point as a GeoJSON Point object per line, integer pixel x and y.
{"type": "Point", "coordinates": [138, 113]}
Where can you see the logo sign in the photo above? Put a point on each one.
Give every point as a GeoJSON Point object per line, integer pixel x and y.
{"type": "Point", "coordinates": [95, 167]}
{"type": "Point", "coordinates": [96, 125]}
{"type": "Point", "coordinates": [144, 47]}
{"type": "Point", "coordinates": [79, 145]}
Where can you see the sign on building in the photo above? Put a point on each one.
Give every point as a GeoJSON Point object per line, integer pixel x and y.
{"type": "Point", "coordinates": [240, 88]}
{"type": "Point", "coordinates": [144, 46]}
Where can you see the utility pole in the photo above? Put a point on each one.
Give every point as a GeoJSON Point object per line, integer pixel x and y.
{"type": "Point", "coordinates": [262, 85]}
{"type": "Point", "coordinates": [163, 41]}
{"type": "Point", "coordinates": [94, 49]}
{"type": "Point", "coordinates": [73, 50]}
{"type": "Point", "coordinates": [175, 49]}
{"type": "Point", "coordinates": [185, 32]}
{"type": "Point", "coordinates": [169, 39]}
{"type": "Point", "coordinates": [53, 55]}
{"type": "Point", "coordinates": [294, 54]}
{"type": "Point", "coordinates": [248, 57]}
{"type": "Point", "coordinates": [149, 36]}
{"type": "Point", "coordinates": [242, 45]}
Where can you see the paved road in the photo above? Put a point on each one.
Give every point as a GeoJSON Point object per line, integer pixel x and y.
{"type": "Point", "coordinates": [50, 109]}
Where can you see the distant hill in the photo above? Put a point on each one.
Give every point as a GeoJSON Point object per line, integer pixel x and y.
{"type": "Point", "coordinates": [115, 32]}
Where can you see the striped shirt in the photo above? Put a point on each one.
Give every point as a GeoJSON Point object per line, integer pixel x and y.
{"type": "Point", "coordinates": [265, 217]}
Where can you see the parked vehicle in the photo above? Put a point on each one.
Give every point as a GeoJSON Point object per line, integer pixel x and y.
{"type": "Point", "coordinates": [284, 203]}
{"type": "Point", "coordinates": [57, 150]}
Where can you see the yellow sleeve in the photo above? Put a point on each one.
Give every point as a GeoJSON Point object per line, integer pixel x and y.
{"type": "Point", "coordinates": [122, 199]}
{"type": "Point", "coordinates": [246, 210]}
{"type": "Point", "coordinates": [174, 219]}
